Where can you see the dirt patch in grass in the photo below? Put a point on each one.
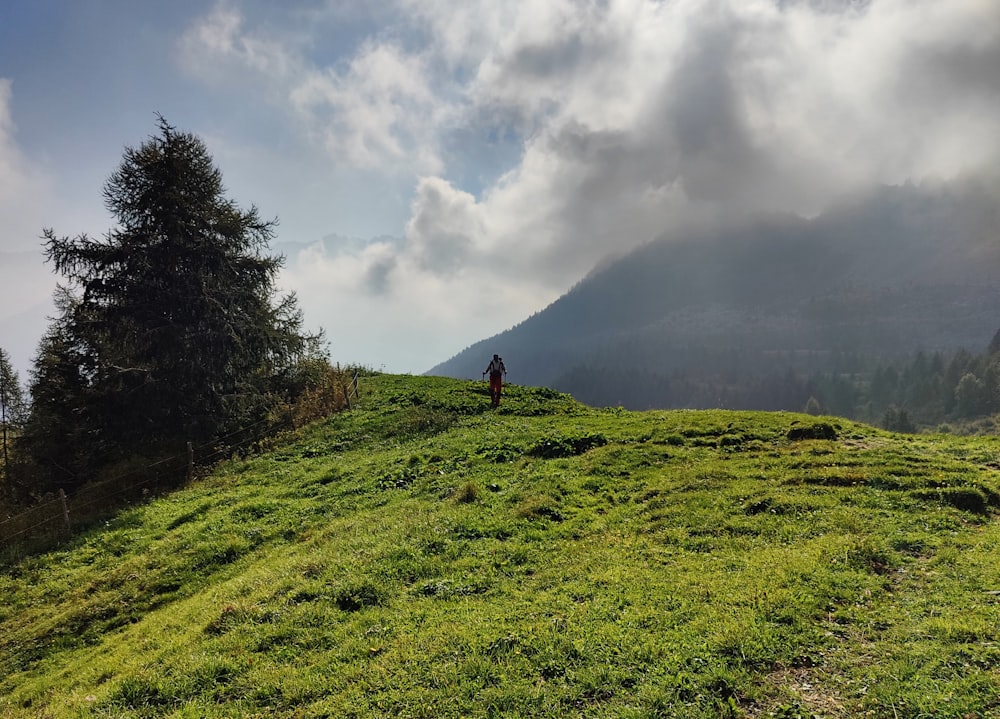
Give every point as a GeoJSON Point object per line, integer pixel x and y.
{"type": "Point", "coordinates": [811, 696]}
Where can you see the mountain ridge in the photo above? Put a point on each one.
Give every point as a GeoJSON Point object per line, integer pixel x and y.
{"type": "Point", "coordinates": [901, 270]}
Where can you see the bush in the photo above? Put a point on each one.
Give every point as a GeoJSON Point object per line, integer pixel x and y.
{"type": "Point", "coordinates": [316, 389]}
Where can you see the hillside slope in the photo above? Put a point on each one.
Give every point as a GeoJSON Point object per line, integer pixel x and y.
{"type": "Point", "coordinates": [422, 556]}
{"type": "Point", "coordinates": [901, 270]}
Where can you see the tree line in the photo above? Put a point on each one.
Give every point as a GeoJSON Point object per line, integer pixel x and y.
{"type": "Point", "coordinates": [169, 329]}
{"type": "Point", "coordinates": [927, 390]}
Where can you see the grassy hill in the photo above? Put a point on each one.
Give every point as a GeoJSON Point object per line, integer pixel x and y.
{"type": "Point", "coordinates": [423, 556]}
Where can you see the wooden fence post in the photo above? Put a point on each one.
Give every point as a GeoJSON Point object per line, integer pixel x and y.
{"type": "Point", "coordinates": [65, 509]}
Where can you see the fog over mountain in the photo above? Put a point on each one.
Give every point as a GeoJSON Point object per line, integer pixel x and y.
{"type": "Point", "coordinates": [883, 275]}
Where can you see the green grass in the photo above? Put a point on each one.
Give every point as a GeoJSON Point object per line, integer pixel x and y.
{"type": "Point", "coordinates": [424, 556]}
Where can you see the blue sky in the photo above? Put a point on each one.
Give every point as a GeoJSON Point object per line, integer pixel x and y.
{"type": "Point", "coordinates": [442, 170]}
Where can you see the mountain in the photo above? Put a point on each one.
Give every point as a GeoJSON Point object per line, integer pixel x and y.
{"type": "Point", "coordinates": [900, 270]}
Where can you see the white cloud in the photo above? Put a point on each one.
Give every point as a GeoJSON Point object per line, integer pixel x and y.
{"type": "Point", "coordinates": [630, 118]}
{"type": "Point", "coordinates": [219, 47]}
{"type": "Point", "coordinates": [376, 108]}
{"type": "Point", "coordinates": [445, 229]}
{"type": "Point", "coordinates": [380, 308]}
{"type": "Point", "coordinates": [379, 110]}
{"type": "Point", "coordinates": [647, 112]}
{"type": "Point", "coordinates": [24, 189]}
{"type": "Point", "coordinates": [26, 283]}
{"type": "Point", "coordinates": [882, 95]}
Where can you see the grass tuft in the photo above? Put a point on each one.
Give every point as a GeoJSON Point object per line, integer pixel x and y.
{"type": "Point", "coordinates": [354, 597]}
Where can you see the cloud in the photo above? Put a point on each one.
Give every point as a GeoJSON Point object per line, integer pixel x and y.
{"type": "Point", "coordinates": [27, 283]}
{"type": "Point", "coordinates": [219, 47]}
{"type": "Point", "coordinates": [646, 113]}
{"type": "Point", "coordinates": [376, 108]}
{"type": "Point", "coordinates": [380, 109]}
{"type": "Point", "coordinates": [874, 90]}
{"type": "Point", "coordinates": [622, 119]}
{"type": "Point", "coordinates": [379, 308]}
{"type": "Point", "coordinates": [24, 188]}
{"type": "Point", "coordinates": [445, 228]}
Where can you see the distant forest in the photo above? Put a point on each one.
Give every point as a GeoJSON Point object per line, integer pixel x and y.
{"type": "Point", "coordinates": [930, 390]}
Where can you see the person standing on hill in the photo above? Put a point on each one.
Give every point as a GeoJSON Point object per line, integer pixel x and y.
{"type": "Point", "coordinates": [496, 371]}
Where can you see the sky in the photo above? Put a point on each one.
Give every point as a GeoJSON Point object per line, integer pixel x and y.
{"type": "Point", "coordinates": [442, 170]}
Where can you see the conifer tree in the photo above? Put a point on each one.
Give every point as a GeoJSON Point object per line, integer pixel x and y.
{"type": "Point", "coordinates": [12, 407]}
{"type": "Point", "coordinates": [170, 328]}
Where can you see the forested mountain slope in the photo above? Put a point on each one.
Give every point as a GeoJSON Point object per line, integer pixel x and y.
{"type": "Point", "coordinates": [901, 270]}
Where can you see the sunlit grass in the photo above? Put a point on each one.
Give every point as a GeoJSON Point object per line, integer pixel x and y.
{"type": "Point", "coordinates": [423, 556]}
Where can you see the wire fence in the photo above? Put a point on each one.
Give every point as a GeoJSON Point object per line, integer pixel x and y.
{"type": "Point", "coordinates": [57, 517]}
